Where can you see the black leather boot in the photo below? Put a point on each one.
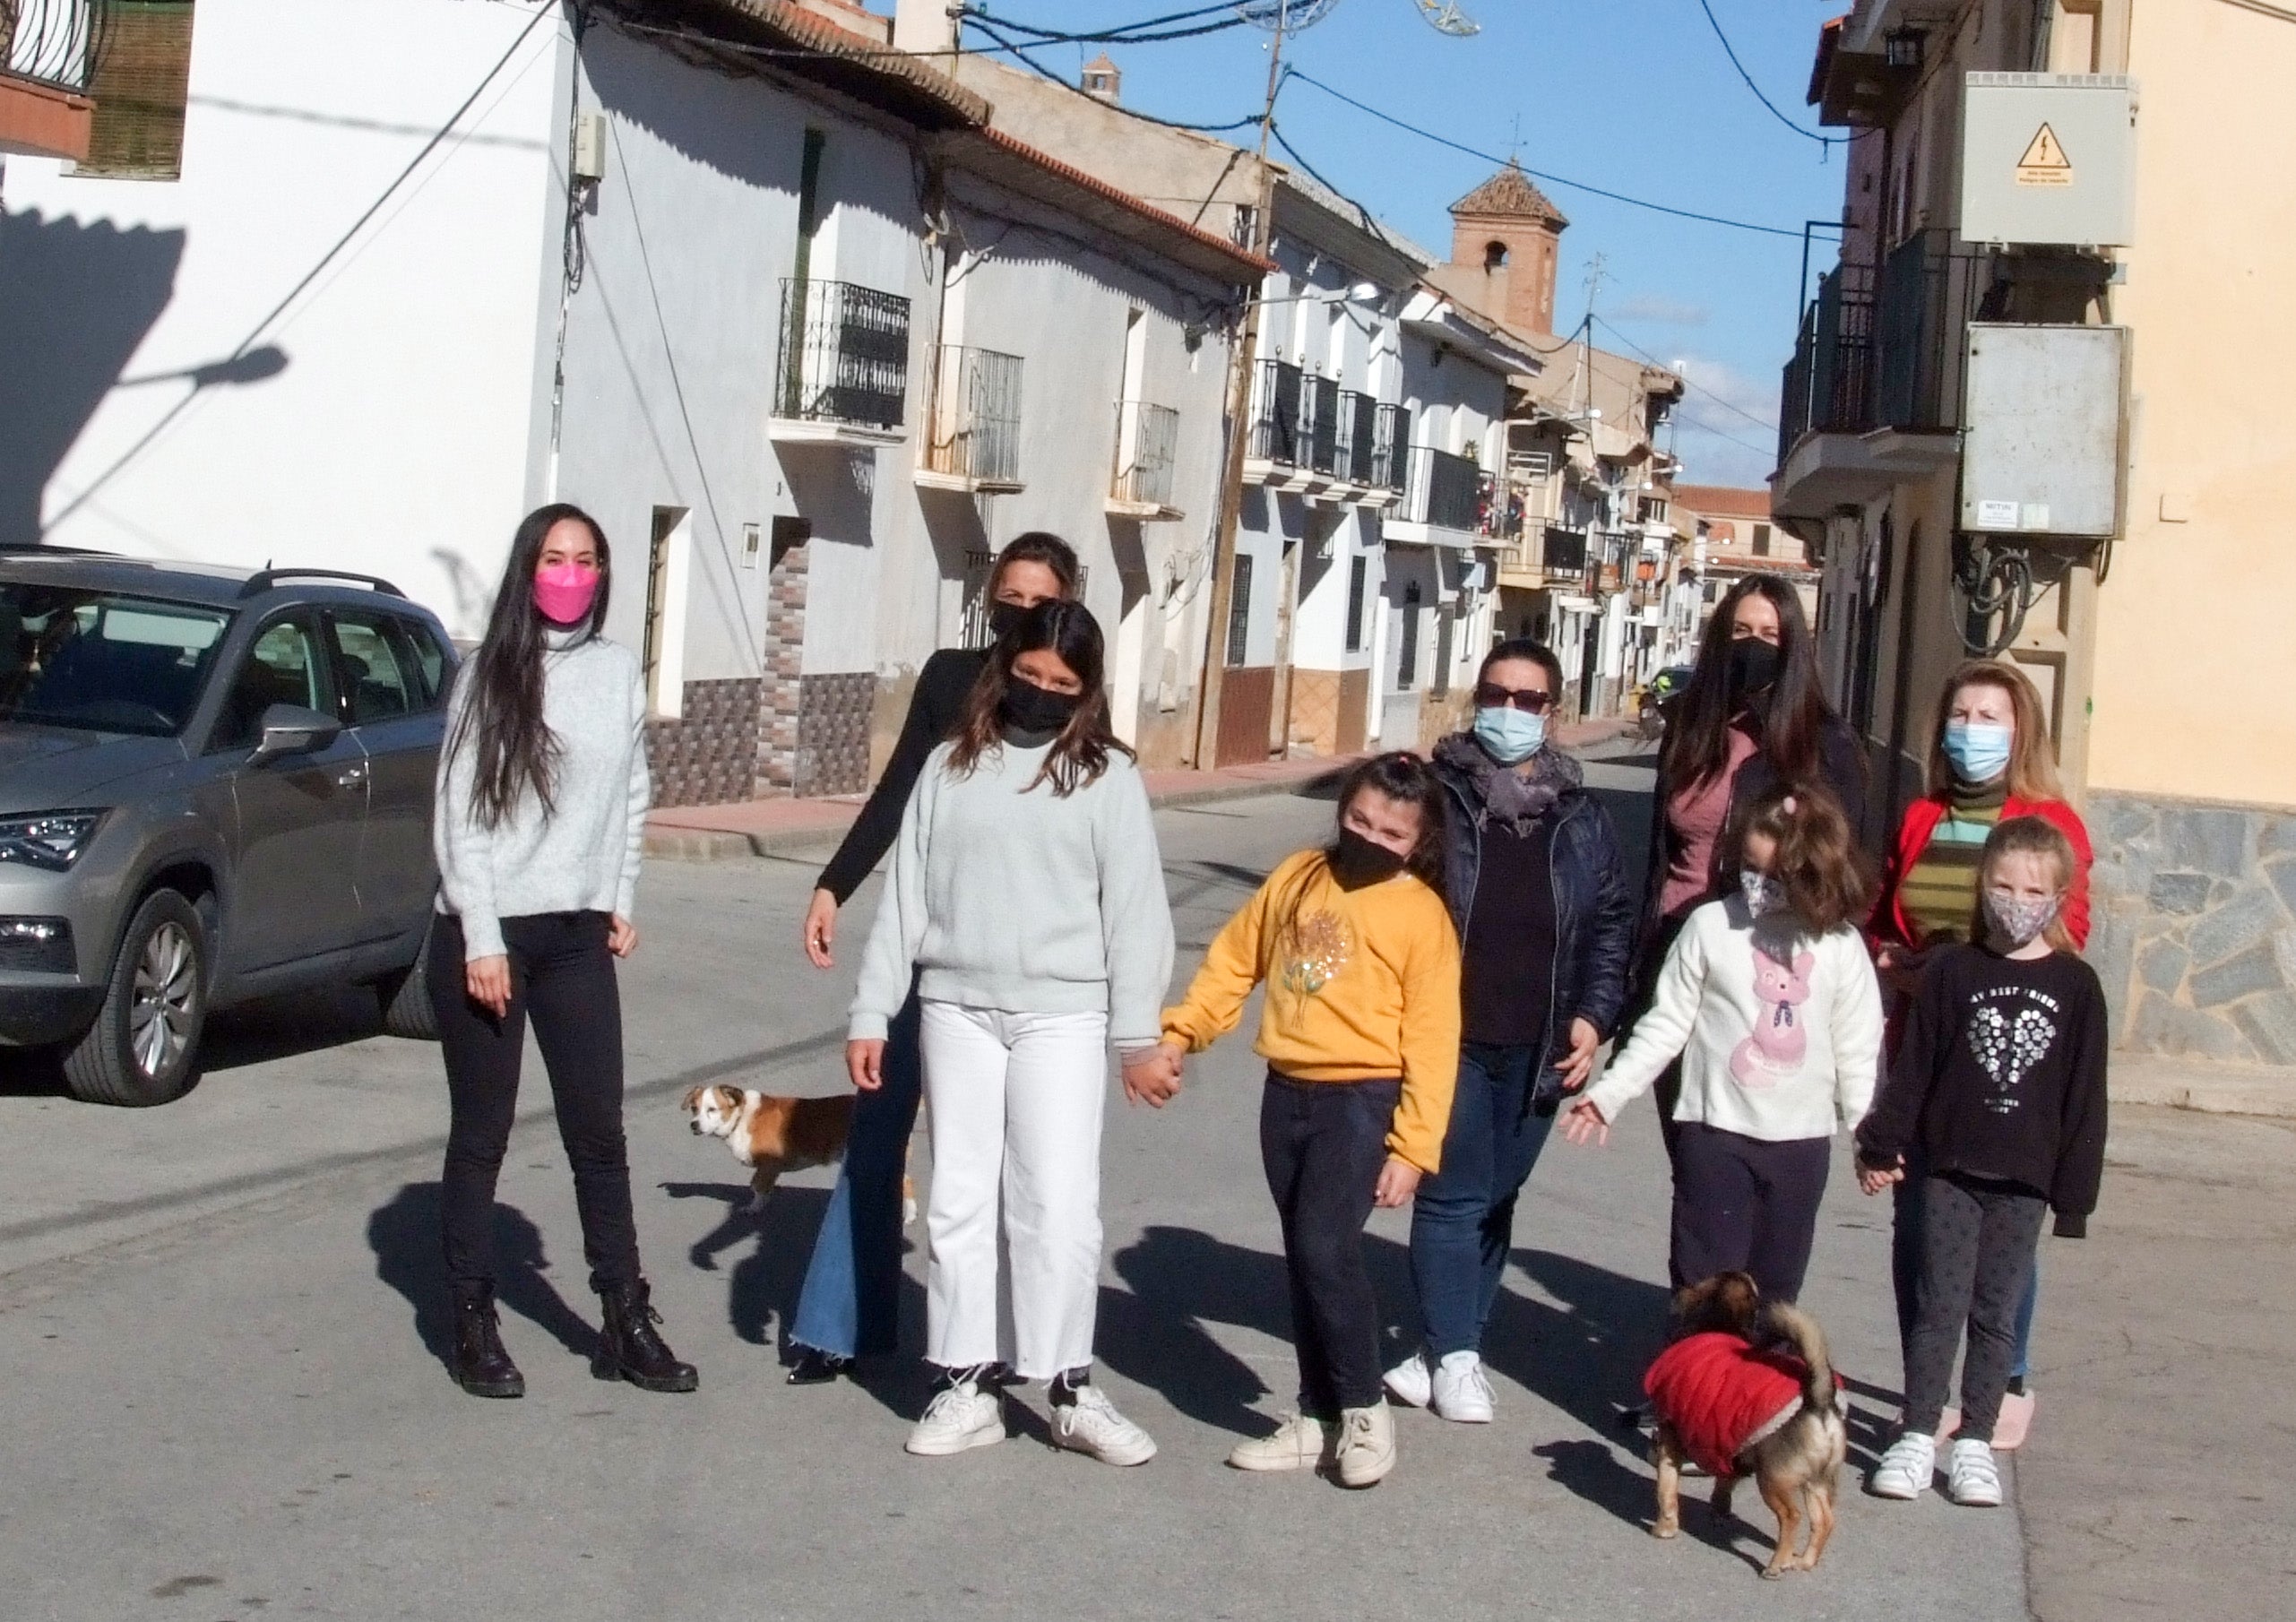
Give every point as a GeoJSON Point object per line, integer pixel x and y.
{"type": "Point", "coordinates": [629, 1348]}
{"type": "Point", "coordinates": [481, 1367]}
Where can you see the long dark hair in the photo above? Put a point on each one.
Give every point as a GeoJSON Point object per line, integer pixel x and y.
{"type": "Point", "coordinates": [1697, 741]}
{"type": "Point", "coordinates": [1408, 779]}
{"type": "Point", "coordinates": [1080, 751]}
{"type": "Point", "coordinates": [502, 709]}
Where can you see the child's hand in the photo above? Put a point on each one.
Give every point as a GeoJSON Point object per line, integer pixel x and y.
{"type": "Point", "coordinates": [1579, 1068]}
{"type": "Point", "coordinates": [1583, 1123]}
{"type": "Point", "coordinates": [1152, 1075]}
{"type": "Point", "coordinates": [1873, 1179]}
{"type": "Point", "coordinates": [1398, 1181]}
{"type": "Point", "coordinates": [865, 1063]}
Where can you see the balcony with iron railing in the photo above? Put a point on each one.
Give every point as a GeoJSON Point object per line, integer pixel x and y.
{"type": "Point", "coordinates": [843, 374]}
{"type": "Point", "coordinates": [1147, 446]}
{"type": "Point", "coordinates": [974, 440]}
{"type": "Point", "coordinates": [49, 51]}
{"type": "Point", "coordinates": [1447, 501]}
{"type": "Point", "coordinates": [1310, 433]}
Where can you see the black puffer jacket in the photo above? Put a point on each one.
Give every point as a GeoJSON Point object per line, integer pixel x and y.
{"type": "Point", "coordinates": [1595, 912]}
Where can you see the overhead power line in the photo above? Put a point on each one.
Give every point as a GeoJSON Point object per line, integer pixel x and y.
{"type": "Point", "coordinates": [1708, 392]}
{"type": "Point", "coordinates": [1730, 51]}
{"type": "Point", "coordinates": [1019, 52]}
{"type": "Point", "coordinates": [1146, 32]}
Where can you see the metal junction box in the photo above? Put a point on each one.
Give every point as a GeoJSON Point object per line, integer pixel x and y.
{"type": "Point", "coordinates": [2042, 444]}
{"type": "Point", "coordinates": [2049, 159]}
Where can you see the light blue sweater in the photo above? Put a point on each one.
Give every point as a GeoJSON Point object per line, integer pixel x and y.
{"type": "Point", "coordinates": [1012, 897]}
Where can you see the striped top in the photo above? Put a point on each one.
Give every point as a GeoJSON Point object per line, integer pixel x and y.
{"type": "Point", "coordinates": [1938, 893]}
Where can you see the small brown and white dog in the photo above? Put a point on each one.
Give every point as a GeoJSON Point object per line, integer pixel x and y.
{"type": "Point", "coordinates": [772, 1136]}
{"type": "Point", "coordinates": [1745, 1388]}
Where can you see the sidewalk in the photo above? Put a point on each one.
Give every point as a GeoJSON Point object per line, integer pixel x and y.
{"type": "Point", "coordinates": [772, 827]}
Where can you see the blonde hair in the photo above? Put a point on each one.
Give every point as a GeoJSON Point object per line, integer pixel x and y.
{"type": "Point", "coordinates": [2032, 767]}
{"type": "Point", "coordinates": [2030, 836]}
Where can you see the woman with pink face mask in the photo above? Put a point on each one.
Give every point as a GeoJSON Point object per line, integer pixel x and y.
{"type": "Point", "coordinates": [540, 816]}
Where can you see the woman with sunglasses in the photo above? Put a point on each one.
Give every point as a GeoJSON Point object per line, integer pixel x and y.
{"type": "Point", "coordinates": [1546, 926]}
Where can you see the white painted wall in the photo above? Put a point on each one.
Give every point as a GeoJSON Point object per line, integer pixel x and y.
{"type": "Point", "coordinates": [396, 437]}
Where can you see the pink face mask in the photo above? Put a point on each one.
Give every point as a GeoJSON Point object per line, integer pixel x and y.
{"type": "Point", "coordinates": [563, 592]}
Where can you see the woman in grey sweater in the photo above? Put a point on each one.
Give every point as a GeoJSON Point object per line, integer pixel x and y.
{"type": "Point", "coordinates": [541, 803]}
{"type": "Point", "coordinates": [1027, 894]}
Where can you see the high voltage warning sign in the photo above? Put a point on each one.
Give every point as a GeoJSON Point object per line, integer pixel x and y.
{"type": "Point", "coordinates": [2044, 162]}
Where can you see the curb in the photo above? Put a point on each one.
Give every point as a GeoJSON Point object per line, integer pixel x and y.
{"type": "Point", "coordinates": [2208, 1087]}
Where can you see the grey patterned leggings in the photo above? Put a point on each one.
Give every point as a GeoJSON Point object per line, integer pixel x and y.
{"type": "Point", "coordinates": [1978, 1240]}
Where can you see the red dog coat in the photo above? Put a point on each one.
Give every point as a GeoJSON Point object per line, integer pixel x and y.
{"type": "Point", "coordinates": [1722, 1396]}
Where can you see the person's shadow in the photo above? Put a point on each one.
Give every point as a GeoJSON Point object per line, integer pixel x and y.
{"type": "Point", "coordinates": [1153, 1330]}
{"type": "Point", "coordinates": [404, 1237]}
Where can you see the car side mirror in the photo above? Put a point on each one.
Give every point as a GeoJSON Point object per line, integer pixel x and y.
{"type": "Point", "coordinates": [293, 730]}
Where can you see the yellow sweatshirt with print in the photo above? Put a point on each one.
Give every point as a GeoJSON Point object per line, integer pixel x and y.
{"type": "Point", "coordinates": [1361, 984]}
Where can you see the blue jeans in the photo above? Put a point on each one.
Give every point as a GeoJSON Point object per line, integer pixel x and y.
{"type": "Point", "coordinates": [850, 1305]}
{"type": "Point", "coordinates": [1462, 1222]}
{"type": "Point", "coordinates": [1905, 1274]}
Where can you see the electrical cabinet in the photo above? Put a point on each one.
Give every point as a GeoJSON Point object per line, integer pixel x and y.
{"type": "Point", "coordinates": [2042, 446]}
{"type": "Point", "coordinates": [2048, 160]}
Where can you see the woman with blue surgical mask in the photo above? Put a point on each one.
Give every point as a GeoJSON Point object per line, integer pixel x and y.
{"type": "Point", "coordinates": [1991, 759]}
{"type": "Point", "coordinates": [1546, 926]}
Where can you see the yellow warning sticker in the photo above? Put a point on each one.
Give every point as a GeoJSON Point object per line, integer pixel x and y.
{"type": "Point", "coordinates": [2044, 162]}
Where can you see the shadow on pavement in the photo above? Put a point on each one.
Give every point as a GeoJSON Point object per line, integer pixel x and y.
{"type": "Point", "coordinates": [280, 1027]}
{"type": "Point", "coordinates": [1154, 1331]}
{"type": "Point", "coordinates": [404, 1237]}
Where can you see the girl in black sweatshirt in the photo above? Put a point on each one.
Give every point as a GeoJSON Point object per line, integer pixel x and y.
{"type": "Point", "coordinates": [2000, 1082]}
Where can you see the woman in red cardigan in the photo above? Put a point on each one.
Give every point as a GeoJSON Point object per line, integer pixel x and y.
{"type": "Point", "coordinates": [1989, 760]}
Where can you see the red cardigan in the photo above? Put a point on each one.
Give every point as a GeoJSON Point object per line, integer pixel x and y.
{"type": "Point", "coordinates": [1890, 925]}
{"type": "Point", "coordinates": [1722, 1395]}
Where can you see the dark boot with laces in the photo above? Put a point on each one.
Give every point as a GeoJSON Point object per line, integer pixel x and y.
{"type": "Point", "coordinates": [630, 1349]}
{"type": "Point", "coordinates": [481, 1366]}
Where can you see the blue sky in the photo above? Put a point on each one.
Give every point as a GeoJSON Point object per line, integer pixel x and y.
{"type": "Point", "coordinates": [1635, 96]}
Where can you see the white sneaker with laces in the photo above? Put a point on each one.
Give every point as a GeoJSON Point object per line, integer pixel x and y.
{"type": "Point", "coordinates": [1412, 1382]}
{"type": "Point", "coordinates": [1367, 1446]}
{"type": "Point", "coordinates": [1461, 1389]}
{"type": "Point", "coordinates": [1972, 1477]}
{"type": "Point", "coordinates": [960, 1417]}
{"type": "Point", "coordinates": [1091, 1425]}
{"type": "Point", "coordinates": [1906, 1469]}
{"type": "Point", "coordinates": [1300, 1443]}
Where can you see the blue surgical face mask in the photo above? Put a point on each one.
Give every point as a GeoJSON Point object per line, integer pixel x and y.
{"type": "Point", "coordinates": [1512, 736]}
{"type": "Point", "coordinates": [1978, 749]}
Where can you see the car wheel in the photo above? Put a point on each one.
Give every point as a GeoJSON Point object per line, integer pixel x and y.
{"type": "Point", "coordinates": [144, 1047]}
{"type": "Point", "coordinates": [407, 1010]}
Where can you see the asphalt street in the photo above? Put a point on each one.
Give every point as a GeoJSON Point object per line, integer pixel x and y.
{"type": "Point", "coordinates": [223, 1322]}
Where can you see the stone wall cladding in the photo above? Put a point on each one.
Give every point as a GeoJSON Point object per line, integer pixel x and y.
{"type": "Point", "coordinates": [833, 733]}
{"type": "Point", "coordinates": [708, 756]}
{"type": "Point", "coordinates": [782, 701]}
{"type": "Point", "coordinates": [2194, 936]}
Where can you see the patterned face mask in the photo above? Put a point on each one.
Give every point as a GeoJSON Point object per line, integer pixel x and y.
{"type": "Point", "coordinates": [2015, 922]}
{"type": "Point", "coordinates": [1764, 894]}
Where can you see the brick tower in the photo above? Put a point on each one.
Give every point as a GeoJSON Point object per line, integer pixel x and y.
{"type": "Point", "coordinates": [1506, 230]}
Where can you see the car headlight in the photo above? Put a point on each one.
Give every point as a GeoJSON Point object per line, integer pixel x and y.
{"type": "Point", "coordinates": [52, 840]}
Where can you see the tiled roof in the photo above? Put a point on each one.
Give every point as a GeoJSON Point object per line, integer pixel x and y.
{"type": "Point", "coordinates": [1509, 191]}
{"type": "Point", "coordinates": [1723, 498]}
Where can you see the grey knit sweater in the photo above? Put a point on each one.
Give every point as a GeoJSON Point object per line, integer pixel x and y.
{"type": "Point", "coordinates": [583, 855]}
{"type": "Point", "coordinates": [1009, 897]}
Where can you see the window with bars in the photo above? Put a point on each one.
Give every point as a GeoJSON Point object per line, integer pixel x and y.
{"type": "Point", "coordinates": [141, 78]}
{"type": "Point", "coordinates": [1239, 610]}
{"type": "Point", "coordinates": [1358, 573]}
{"type": "Point", "coordinates": [1407, 649]}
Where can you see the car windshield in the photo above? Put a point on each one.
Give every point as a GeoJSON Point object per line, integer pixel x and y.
{"type": "Point", "coordinates": [103, 662]}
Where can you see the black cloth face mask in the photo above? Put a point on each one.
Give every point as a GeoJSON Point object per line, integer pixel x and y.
{"type": "Point", "coordinates": [1028, 708]}
{"type": "Point", "coordinates": [1002, 617]}
{"type": "Point", "coordinates": [1754, 667]}
{"type": "Point", "coordinates": [1357, 861]}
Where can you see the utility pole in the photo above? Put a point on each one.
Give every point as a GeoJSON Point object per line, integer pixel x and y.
{"type": "Point", "coordinates": [1239, 406]}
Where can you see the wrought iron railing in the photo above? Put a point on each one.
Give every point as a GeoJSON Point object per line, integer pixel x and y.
{"type": "Point", "coordinates": [1147, 440]}
{"type": "Point", "coordinates": [976, 421]}
{"type": "Point", "coordinates": [1391, 436]}
{"type": "Point", "coordinates": [55, 41]}
{"type": "Point", "coordinates": [1564, 552]}
{"type": "Point", "coordinates": [1446, 491]}
{"type": "Point", "coordinates": [1828, 385]}
{"type": "Point", "coordinates": [1275, 413]}
{"type": "Point", "coordinates": [1320, 406]}
{"type": "Point", "coordinates": [844, 354]}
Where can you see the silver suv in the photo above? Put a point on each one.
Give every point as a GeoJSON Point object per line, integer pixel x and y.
{"type": "Point", "coordinates": [214, 785]}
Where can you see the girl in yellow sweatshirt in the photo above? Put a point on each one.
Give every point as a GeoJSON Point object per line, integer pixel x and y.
{"type": "Point", "coordinates": [1361, 1036]}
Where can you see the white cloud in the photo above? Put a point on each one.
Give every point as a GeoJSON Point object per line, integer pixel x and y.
{"type": "Point", "coordinates": [1663, 311]}
{"type": "Point", "coordinates": [1726, 426]}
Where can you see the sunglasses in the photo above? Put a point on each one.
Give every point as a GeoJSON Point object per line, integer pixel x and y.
{"type": "Point", "coordinates": [1490, 695]}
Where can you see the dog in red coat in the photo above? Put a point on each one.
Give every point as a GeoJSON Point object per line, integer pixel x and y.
{"type": "Point", "coordinates": [1745, 1388]}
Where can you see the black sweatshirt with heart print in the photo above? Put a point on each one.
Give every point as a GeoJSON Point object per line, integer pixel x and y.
{"type": "Point", "coordinates": [2001, 1074]}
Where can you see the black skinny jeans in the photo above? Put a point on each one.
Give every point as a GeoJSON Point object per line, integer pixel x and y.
{"type": "Point", "coordinates": [562, 975]}
{"type": "Point", "coordinates": [1323, 1144]}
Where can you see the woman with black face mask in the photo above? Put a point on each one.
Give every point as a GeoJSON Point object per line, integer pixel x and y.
{"type": "Point", "coordinates": [1751, 717]}
{"type": "Point", "coordinates": [850, 1303]}
{"type": "Point", "coordinates": [1026, 907]}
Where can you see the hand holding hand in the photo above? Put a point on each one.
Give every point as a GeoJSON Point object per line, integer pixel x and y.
{"type": "Point", "coordinates": [1578, 1068]}
{"type": "Point", "coordinates": [865, 1063]}
{"type": "Point", "coordinates": [1582, 1124]}
{"type": "Point", "coordinates": [1152, 1075]}
{"type": "Point", "coordinates": [487, 981]}
{"type": "Point", "coordinates": [621, 936]}
{"type": "Point", "coordinates": [819, 932]}
{"type": "Point", "coordinates": [1398, 1181]}
{"type": "Point", "coordinates": [1873, 1179]}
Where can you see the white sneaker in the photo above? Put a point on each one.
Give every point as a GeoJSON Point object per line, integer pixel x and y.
{"type": "Point", "coordinates": [1411, 1381]}
{"type": "Point", "coordinates": [960, 1417]}
{"type": "Point", "coordinates": [1091, 1425]}
{"type": "Point", "coordinates": [1906, 1469]}
{"type": "Point", "coordinates": [1300, 1443]}
{"type": "Point", "coordinates": [1462, 1390]}
{"type": "Point", "coordinates": [1971, 1478]}
{"type": "Point", "coordinates": [1367, 1446]}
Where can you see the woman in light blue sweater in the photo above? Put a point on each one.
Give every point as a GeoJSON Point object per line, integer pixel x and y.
{"type": "Point", "coordinates": [540, 816]}
{"type": "Point", "coordinates": [1027, 894]}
